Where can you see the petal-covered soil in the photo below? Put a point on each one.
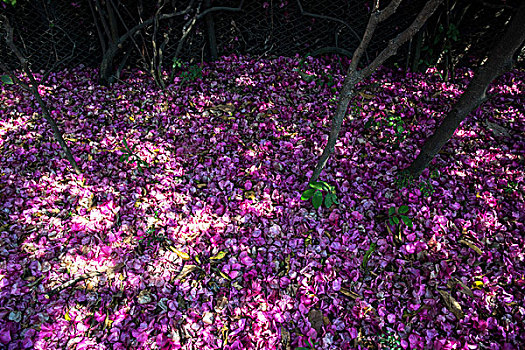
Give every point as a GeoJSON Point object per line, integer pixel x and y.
{"type": "Point", "coordinates": [194, 235]}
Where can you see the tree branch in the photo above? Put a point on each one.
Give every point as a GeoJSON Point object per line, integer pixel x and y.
{"type": "Point", "coordinates": [354, 76]}
{"type": "Point", "coordinates": [403, 37]}
{"type": "Point", "coordinates": [375, 18]}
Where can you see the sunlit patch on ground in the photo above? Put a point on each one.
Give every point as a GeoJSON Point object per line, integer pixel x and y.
{"type": "Point", "coordinates": [209, 245]}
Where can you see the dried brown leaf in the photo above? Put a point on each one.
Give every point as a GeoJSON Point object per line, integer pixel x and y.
{"type": "Point", "coordinates": [186, 270]}
{"type": "Point", "coordinates": [471, 246]}
{"type": "Point", "coordinates": [463, 288]}
{"type": "Point", "coordinates": [451, 304]}
{"type": "Point", "coordinates": [366, 96]}
{"type": "Point", "coordinates": [316, 320]}
{"type": "Point", "coordinates": [222, 302]}
{"type": "Point", "coordinates": [349, 293]}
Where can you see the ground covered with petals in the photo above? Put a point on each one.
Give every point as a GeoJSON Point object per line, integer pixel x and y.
{"type": "Point", "coordinates": [205, 243]}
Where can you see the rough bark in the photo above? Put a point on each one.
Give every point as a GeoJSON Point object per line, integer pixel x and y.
{"type": "Point", "coordinates": [498, 62]}
{"type": "Point", "coordinates": [353, 76]}
{"type": "Point", "coordinates": [33, 88]}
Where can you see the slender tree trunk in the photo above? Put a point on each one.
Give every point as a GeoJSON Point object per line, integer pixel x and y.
{"type": "Point", "coordinates": [498, 62]}
{"type": "Point", "coordinates": [210, 28]}
{"type": "Point", "coordinates": [354, 76]}
{"type": "Point", "coordinates": [105, 73]}
{"type": "Point", "coordinates": [54, 127]}
{"type": "Point", "coordinates": [33, 88]}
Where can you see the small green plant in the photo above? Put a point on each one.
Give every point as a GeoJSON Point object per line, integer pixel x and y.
{"type": "Point", "coordinates": [177, 64]}
{"type": "Point", "coordinates": [316, 193]}
{"type": "Point", "coordinates": [390, 341]}
{"type": "Point", "coordinates": [405, 180]}
{"type": "Point", "coordinates": [322, 80]}
{"type": "Point", "coordinates": [426, 188]}
{"type": "Point", "coordinates": [511, 187]}
{"type": "Point", "coordinates": [191, 73]}
{"type": "Point", "coordinates": [392, 121]}
{"type": "Point", "coordinates": [398, 215]}
{"type": "Point", "coordinates": [130, 157]}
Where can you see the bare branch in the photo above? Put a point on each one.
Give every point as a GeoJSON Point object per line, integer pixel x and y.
{"type": "Point", "coordinates": [149, 21]}
{"type": "Point", "coordinates": [186, 31]}
{"type": "Point", "coordinates": [354, 76]}
{"type": "Point", "coordinates": [388, 11]}
{"type": "Point", "coordinates": [102, 16]}
{"type": "Point", "coordinates": [375, 18]}
{"type": "Point", "coordinates": [499, 61]}
{"type": "Point", "coordinates": [403, 37]}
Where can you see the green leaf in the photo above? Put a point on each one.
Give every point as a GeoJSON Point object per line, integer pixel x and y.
{"type": "Point", "coordinates": [403, 209]}
{"type": "Point", "coordinates": [123, 158]}
{"type": "Point", "coordinates": [396, 220]}
{"type": "Point", "coordinates": [220, 255]}
{"type": "Point", "coordinates": [391, 222]}
{"type": "Point", "coordinates": [317, 185]}
{"type": "Point", "coordinates": [391, 211]}
{"type": "Point", "coordinates": [126, 145]}
{"type": "Point", "coordinates": [368, 254]}
{"type": "Point", "coordinates": [328, 201]}
{"type": "Point", "coordinates": [317, 200]}
{"type": "Point", "coordinates": [308, 194]}
{"type": "Point", "coordinates": [334, 198]}
{"type": "Point", "coordinates": [6, 79]}
{"type": "Point", "coordinates": [407, 220]}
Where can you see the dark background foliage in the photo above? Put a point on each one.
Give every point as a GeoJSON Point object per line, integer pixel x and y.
{"type": "Point", "coordinates": [51, 30]}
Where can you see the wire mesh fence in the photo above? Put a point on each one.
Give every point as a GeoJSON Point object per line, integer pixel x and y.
{"type": "Point", "coordinates": [56, 34]}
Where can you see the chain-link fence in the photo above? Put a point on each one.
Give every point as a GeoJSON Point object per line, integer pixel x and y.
{"type": "Point", "coordinates": [57, 34]}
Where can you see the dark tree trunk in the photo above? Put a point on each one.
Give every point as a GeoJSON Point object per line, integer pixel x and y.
{"type": "Point", "coordinates": [54, 127]}
{"type": "Point", "coordinates": [354, 76]}
{"type": "Point", "coordinates": [498, 62]}
{"type": "Point", "coordinates": [210, 27]}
